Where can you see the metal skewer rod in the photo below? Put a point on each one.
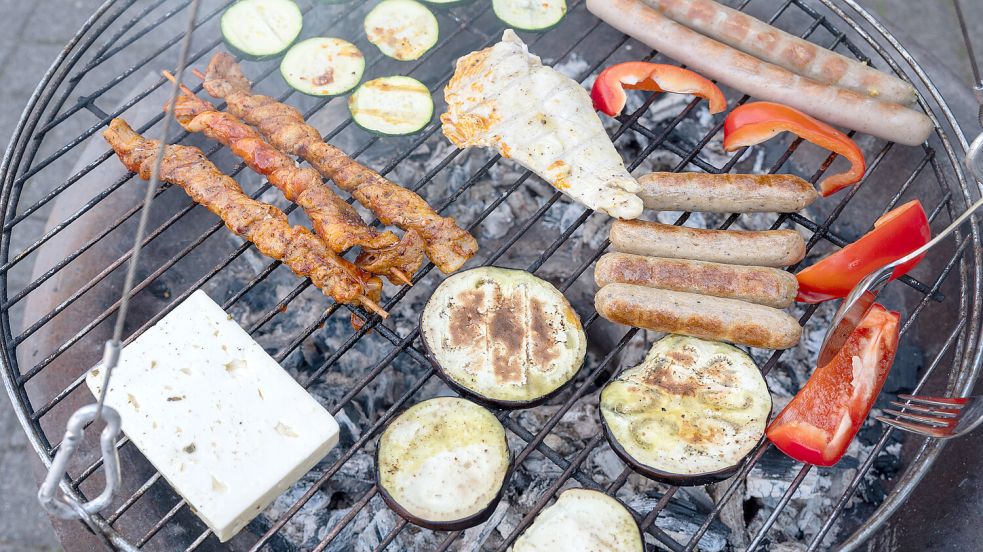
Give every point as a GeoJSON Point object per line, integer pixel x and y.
{"type": "Point", "coordinates": [68, 507]}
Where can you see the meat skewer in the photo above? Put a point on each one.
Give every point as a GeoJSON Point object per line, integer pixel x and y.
{"type": "Point", "coordinates": [446, 244]}
{"type": "Point", "coordinates": [334, 220]}
{"type": "Point", "coordinates": [262, 224]}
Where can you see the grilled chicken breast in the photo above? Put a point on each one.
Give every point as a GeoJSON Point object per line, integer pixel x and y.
{"type": "Point", "coordinates": [504, 97]}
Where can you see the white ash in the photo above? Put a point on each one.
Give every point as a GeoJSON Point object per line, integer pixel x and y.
{"type": "Point", "coordinates": [333, 499]}
{"type": "Point", "coordinates": [572, 65]}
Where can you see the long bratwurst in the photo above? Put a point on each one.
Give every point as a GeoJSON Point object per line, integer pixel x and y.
{"type": "Point", "coordinates": [775, 248]}
{"type": "Point", "coordinates": [755, 37]}
{"type": "Point", "coordinates": [726, 193]}
{"type": "Point", "coordinates": [761, 79]}
{"type": "Point", "coordinates": [700, 316]}
{"type": "Point", "coordinates": [756, 284]}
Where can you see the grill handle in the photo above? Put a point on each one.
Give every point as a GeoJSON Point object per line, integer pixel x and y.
{"type": "Point", "coordinates": [67, 507]}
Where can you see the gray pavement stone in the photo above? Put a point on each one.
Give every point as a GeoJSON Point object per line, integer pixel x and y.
{"type": "Point", "coordinates": [32, 33]}
{"type": "Point", "coordinates": [15, 14]}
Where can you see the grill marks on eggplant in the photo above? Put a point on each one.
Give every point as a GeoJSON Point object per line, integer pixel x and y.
{"type": "Point", "coordinates": [688, 414]}
{"type": "Point", "coordinates": [503, 335]}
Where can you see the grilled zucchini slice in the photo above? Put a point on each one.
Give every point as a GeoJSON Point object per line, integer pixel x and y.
{"type": "Point", "coordinates": [503, 336]}
{"type": "Point", "coordinates": [393, 106]}
{"type": "Point", "coordinates": [260, 29]}
{"type": "Point", "coordinates": [402, 29]}
{"type": "Point", "coordinates": [689, 414]}
{"type": "Point", "coordinates": [582, 520]}
{"type": "Point", "coordinates": [530, 15]}
{"type": "Point", "coordinates": [442, 464]}
{"type": "Point", "coordinates": [323, 66]}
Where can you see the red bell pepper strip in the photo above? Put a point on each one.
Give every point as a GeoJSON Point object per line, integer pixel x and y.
{"type": "Point", "coordinates": [897, 233]}
{"type": "Point", "coordinates": [818, 424]}
{"type": "Point", "coordinates": [609, 95]}
{"type": "Point", "coordinates": [756, 122]}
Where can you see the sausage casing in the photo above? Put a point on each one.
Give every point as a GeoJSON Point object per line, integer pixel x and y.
{"type": "Point", "coordinates": [761, 40]}
{"type": "Point", "coordinates": [726, 193]}
{"type": "Point", "coordinates": [775, 248]}
{"type": "Point", "coordinates": [756, 284]}
{"type": "Point", "coordinates": [698, 316]}
{"type": "Point", "coordinates": [760, 79]}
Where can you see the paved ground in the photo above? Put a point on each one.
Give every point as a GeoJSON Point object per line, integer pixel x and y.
{"type": "Point", "coordinates": [32, 33]}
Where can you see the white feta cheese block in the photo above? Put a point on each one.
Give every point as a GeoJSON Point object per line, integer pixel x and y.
{"type": "Point", "coordinates": [224, 424]}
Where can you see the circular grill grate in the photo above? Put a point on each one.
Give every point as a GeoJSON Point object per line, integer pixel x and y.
{"type": "Point", "coordinates": [57, 281]}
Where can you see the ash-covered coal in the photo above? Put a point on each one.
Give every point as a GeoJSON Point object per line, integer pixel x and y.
{"type": "Point", "coordinates": [333, 501]}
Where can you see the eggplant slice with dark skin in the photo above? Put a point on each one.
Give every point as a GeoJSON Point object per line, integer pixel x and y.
{"type": "Point", "coordinates": [689, 414]}
{"type": "Point", "coordinates": [443, 464]}
{"type": "Point", "coordinates": [502, 336]}
{"type": "Point", "coordinates": [585, 521]}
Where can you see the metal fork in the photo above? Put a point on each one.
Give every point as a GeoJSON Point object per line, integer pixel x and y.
{"type": "Point", "coordinates": [940, 417]}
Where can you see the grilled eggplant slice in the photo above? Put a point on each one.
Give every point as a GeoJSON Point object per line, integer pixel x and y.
{"type": "Point", "coordinates": [443, 463]}
{"type": "Point", "coordinates": [582, 520]}
{"type": "Point", "coordinates": [503, 336]}
{"type": "Point", "coordinates": [689, 414]}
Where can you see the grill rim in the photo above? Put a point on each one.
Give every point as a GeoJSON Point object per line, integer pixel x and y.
{"type": "Point", "coordinates": [966, 334]}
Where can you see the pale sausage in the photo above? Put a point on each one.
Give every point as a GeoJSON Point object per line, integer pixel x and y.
{"type": "Point", "coordinates": [726, 193]}
{"type": "Point", "coordinates": [756, 284]}
{"type": "Point", "coordinates": [763, 80]}
{"type": "Point", "coordinates": [775, 248]}
{"type": "Point", "coordinates": [755, 37]}
{"type": "Point", "coordinates": [698, 316]}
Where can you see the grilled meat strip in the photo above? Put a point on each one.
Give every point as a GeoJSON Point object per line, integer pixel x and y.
{"type": "Point", "coordinates": [333, 219]}
{"type": "Point", "coordinates": [260, 223]}
{"type": "Point", "coordinates": [447, 244]}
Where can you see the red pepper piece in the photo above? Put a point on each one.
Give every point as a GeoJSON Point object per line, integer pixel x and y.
{"type": "Point", "coordinates": [897, 233]}
{"type": "Point", "coordinates": [818, 424]}
{"type": "Point", "coordinates": [754, 123]}
{"type": "Point", "coordinates": [609, 95]}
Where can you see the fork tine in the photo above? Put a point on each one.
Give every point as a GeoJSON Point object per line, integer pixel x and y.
{"type": "Point", "coordinates": [937, 410]}
{"type": "Point", "coordinates": [929, 431]}
{"type": "Point", "coordinates": [935, 401]}
{"type": "Point", "coordinates": [943, 422]}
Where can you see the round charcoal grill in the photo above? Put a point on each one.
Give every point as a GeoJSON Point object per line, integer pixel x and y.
{"type": "Point", "coordinates": [60, 279]}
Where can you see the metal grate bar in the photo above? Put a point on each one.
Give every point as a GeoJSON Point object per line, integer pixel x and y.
{"type": "Point", "coordinates": [91, 130]}
{"type": "Point", "coordinates": [108, 50]}
{"type": "Point", "coordinates": [787, 496]}
{"type": "Point", "coordinates": [869, 461]}
{"type": "Point", "coordinates": [338, 129]}
{"type": "Point", "coordinates": [156, 233]}
{"type": "Point", "coordinates": [688, 153]}
{"type": "Point", "coordinates": [914, 315]}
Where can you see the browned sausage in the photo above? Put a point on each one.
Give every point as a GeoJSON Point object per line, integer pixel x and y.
{"type": "Point", "coordinates": [763, 80]}
{"type": "Point", "coordinates": [775, 248]}
{"type": "Point", "coordinates": [726, 193]}
{"type": "Point", "coordinates": [756, 284]}
{"type": "Point", "coordinates": [700, 316]}
{"type": "Point", "coordinates": [774, 45]}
